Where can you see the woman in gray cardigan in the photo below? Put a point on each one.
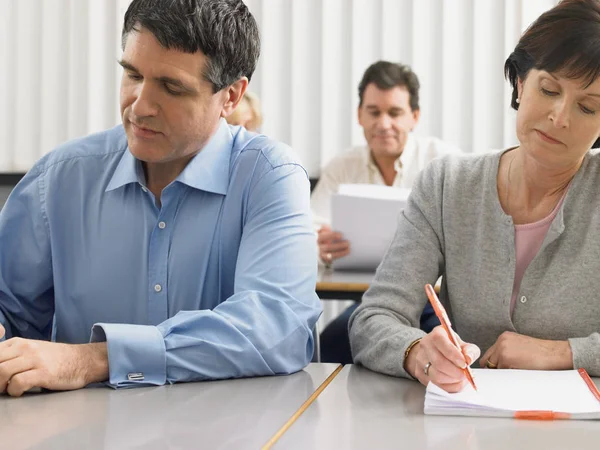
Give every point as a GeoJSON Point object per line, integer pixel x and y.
{"type": "Point", "coordinates": [515, 234]}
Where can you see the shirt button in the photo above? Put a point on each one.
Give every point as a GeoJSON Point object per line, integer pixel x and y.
{"type": "Point", "coordinates": [157, 287]}
{"type": "Point", "coordinates": [523, 299]}
{"type": "Point", "coordinates": [162, 225]}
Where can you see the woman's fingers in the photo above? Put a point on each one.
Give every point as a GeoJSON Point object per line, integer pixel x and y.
{"type": "Point", "coordinates": [446, 347]}
{"type": "Point", "coordinates": [471, 351]}
{"type": "Point", "coordinates": [447, 361]}
{"type": "Point", "coordinates": [444, 367]}
{"type": "Point", "coordinates": [452, 388]}
{"type": "Point", "coordinates": [487, 356]}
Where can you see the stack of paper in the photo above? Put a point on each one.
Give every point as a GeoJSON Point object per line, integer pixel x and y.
{"type": "Point", "coordinates": [526, 394]}
{"type": "Point", "coordinates": [366, 215]}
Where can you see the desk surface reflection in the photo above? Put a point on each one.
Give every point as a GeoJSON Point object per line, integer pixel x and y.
{"type": "Point", "coordinates": [228, 414]}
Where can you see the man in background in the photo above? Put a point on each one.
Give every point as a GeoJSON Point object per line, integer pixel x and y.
{"type": "Point", "coordinates": [388, 112]}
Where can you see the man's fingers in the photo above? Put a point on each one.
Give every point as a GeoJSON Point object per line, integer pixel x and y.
{"type": "Point", "coordinates": [328, 237]}
{"type": "Point", "coordinates": [332, 256]}
{"type": "Point", "coordinates": [2, 331]}
{"type": "Point", "coordinates": [333, 247]}
{"type": "Point", "coordinates": [8, 352]}
{"type": "Point", "coordinates": [324, 228]}
{"type": "Point", "coordinates": [9, 369]}
{"type": "Point", "coordinates": [22, 382]}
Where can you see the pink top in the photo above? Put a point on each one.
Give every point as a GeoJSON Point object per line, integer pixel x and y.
{"type": "Point", "coordinates": [528, 240]}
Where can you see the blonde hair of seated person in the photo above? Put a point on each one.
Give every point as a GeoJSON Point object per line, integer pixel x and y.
{"type": "Point", "coordinates": [247, 113]}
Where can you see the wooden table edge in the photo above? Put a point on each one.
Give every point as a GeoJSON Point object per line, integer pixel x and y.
{"type": "Point", "coordinates": [301, 410]}
{"type": "Point", "coordinates": [343, 287]}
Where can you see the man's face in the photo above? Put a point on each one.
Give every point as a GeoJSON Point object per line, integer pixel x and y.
{"type": "Point", "coordinates": [168, 109]}
{"type": "Point", "coordinates": [386, 118]}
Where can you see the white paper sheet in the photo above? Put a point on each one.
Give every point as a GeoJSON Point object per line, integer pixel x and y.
{"type": "Point", "coordinates": [366, 215]}
{"type": "Point", "coordinates": [516, 390]}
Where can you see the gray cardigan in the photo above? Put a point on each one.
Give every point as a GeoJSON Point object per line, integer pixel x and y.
{"type": "Point", "coordinates": [453, 225]}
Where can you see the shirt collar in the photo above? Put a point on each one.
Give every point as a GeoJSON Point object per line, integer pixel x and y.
{"type": "Point", "coordinates": [409, 148]}
{"type": "Point", "coordinates": [128, 171]}
{"type": "Point", "coordinates": [207, 171]}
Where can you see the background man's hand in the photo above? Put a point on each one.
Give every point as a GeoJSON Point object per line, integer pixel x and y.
{"type": "Point", "coordinates": [332, 244]}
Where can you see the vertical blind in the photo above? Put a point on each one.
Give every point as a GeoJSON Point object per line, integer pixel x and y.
{"type": "Point", "coordinates": [315, 52]}
{"type": "Point", "coordinates": [59, 78]}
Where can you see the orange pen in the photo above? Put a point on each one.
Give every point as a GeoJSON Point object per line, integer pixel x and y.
{"type": "Point", "coordinates": [441, 314]}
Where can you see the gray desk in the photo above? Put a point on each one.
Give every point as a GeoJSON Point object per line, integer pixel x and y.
{"type": "Point", "coordinates": [342, 284]}
{"type": "Point", "coordinates": [229, 414]}
{"type": "Point", "coordinates": [361, 409]}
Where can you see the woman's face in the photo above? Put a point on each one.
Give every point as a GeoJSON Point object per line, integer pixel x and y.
{"type": "Point", "coordinates": [558, 119]}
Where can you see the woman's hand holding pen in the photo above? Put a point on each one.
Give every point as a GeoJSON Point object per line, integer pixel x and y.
{"type": "Point", "coordinates": [435, 358]}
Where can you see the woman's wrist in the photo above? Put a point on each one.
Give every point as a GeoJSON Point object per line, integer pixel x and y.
{"type": "Point", "coordinates": [410, 356]}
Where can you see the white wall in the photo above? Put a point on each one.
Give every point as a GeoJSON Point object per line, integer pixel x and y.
{"type": "Point", "coordinates": [59, 78]}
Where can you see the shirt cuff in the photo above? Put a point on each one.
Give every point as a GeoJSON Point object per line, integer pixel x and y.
{"type": "Point", "coordinates": [136, 354]}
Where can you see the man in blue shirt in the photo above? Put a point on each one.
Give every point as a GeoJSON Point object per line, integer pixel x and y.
{"type": "Point", "coordinates": [182, 245]}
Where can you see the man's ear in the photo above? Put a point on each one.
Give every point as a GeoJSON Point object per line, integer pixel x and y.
{"type": "Point", "coordinates": [233, 95]}
{"type": "Point", "coordinates": [416, 116]}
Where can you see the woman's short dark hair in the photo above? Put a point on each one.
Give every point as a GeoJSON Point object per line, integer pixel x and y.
{"type": "Point", "coordinates": [224, 30]}
{"type": "Point", "coordinates": [387, 75]}
{"type": "Point", "coordinates": [564, 39]}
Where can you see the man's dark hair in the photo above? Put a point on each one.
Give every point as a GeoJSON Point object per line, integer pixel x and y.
{"type": "Point", "coordinates": [224, 30]}
{"type": "Point", "coordinates": [387, 75]}
{"type": "Point", "coordinates": [564, 39]}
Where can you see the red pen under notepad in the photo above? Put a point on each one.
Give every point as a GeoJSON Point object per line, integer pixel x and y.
{"type": "Point", "coordinates": [441, 314]}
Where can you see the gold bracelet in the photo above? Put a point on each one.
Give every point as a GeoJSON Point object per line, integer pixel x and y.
{"type": "Point", "coordinates": [410, 347]}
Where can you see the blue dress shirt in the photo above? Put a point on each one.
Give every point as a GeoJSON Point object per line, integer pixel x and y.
{"type": "Point", "coordinates": [217, 282]}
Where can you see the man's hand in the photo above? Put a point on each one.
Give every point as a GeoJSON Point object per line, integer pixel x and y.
{"type": "Point", "coordinates": [443, 362]}
{"type": "Point", "coordinates": [27, 363]}
{"type": "Point", "coordinates": [332, 244]}
{"type": "Point", "coordinates": [516, 351]}
{"type": "Point", "coordinates": [2, 331]}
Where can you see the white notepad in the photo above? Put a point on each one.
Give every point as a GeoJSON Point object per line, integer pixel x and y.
{"type": "Point", "coordinates": [524, 394]}
{"type": "Point", "coordinates": [367, 216]}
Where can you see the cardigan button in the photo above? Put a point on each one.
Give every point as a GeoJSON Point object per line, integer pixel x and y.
{"type": "Point", "coordinates": [523, 299]}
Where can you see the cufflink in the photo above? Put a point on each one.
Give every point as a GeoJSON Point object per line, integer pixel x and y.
{"type": "Point", "coordinates": [135, 376]}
